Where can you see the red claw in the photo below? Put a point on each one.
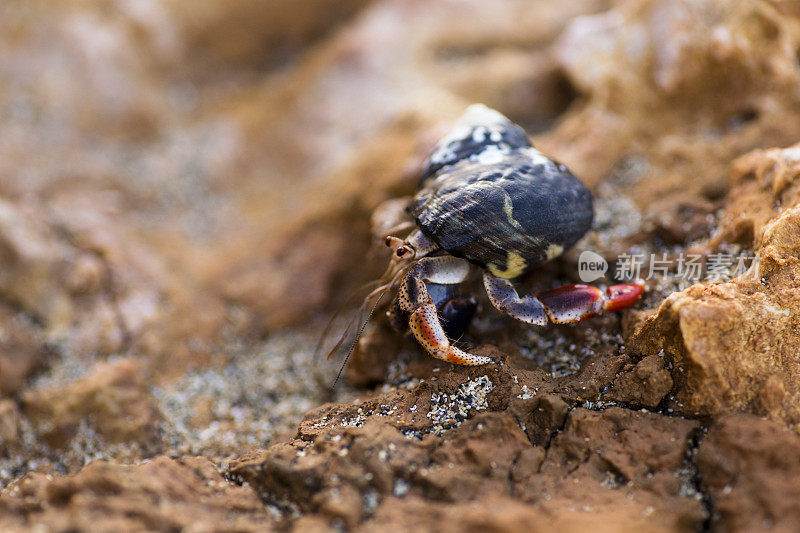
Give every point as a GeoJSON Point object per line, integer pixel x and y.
{"type": "Point", "coordinates": [575, 303]}
{"type": "Point", "coordinates": [623, 295]}
{"type": "Point", "coordinates": [571, 303]}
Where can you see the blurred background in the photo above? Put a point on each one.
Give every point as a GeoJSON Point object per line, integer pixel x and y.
{"type": "Point", "coordinates": [186, 187]}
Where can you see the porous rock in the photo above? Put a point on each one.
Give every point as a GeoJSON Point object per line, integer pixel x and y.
{"type": "Point", "coordinates": [197, 203]}
{"type": "Point", "coordinates": [749, 467]}
{"type": "Point", "coordinates": [113, 399]}
{"type": "Point", "coordinates": [731, 346]}
{"type": "Point", "coordinates": [21, 350]}
{"type": "Point", "coordinates": [580, 465]}
{"type": "Point", "coordinates": [161, 495]}
{"type": "Point", "coordinates": [642, 384]}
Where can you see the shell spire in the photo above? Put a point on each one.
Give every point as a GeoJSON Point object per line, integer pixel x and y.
{"type": "Point", "coordinates": [479, 132]}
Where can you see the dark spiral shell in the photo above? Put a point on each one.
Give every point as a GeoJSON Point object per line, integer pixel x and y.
{"type": "Point", "coordinates": [488, 196]}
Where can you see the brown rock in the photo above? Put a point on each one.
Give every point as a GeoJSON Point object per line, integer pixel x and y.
{"type": "Point", "coordinates": [750, 468]}
{"type": "Point", "coordinates": [498, 513]}
{"type": "Point", "coordinates": [196, 202]}
{"type": "Point", "coordinates": [113, 400]}
{"type": "Point", "coordinates": [643, 384]}
{"type": "Point", "coordinates": [680, 220]}
{"type": "Point", "coordinates": [34, 261]}
{"type": "Point", "coordinates": [727, 349]}
{"type": "Point", "coordinates": [638, 446]}
{"type": "Point", "coordinates": [64, 288]}
{"type": "Point", "coordinates": [632, 462]}
{"type": "Point", "coordinates": [329, 166]}
{"type": "Point", "coordinates": [475, 460]}
{"type": "Point", "coordinates": [160, 495]}
{"type": "Point", "coordinates": [732, 346]}
{"type": "Point", "coordinates": [762, 182]}
{"type": "Point", "coordinates": [267, 35]}
{"type": "Point", "coordinates": [541, 416]}
{"type": "Point", "coordinates": [659, 78]}
{"type": "Point", "coordinates": [21, 351]}
{"type": "Point", "coordinates": [615, 465]}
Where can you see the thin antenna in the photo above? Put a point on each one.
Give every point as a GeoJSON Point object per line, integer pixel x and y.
{"type": "Point", "coordinates": [359, 317]}
{"type": "Point", "coordinates": [329, 325]}
{"type": "Point", "coordinates": [355, 341]}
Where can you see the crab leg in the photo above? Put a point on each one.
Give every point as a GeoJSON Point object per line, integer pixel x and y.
{"type": "Point", "coordinates": [562, 305]}
{"type": "Point", "coordinates": [423, 318]}
{"type": "Point", "coordinates": [504, 297]}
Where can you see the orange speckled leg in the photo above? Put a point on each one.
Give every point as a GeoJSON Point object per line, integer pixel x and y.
{"type": "Point", "coordinates": [423, 319]}
{"type": "Point", "coordinates": [427, 329]}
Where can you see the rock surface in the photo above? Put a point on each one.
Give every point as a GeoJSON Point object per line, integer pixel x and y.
{"type": "Point", "coordinates": [733, 346]}
{"type": "Point", "coordinates": [491, 440]}
{"type": "Point", "coordinates": [160, 495]}
{"type": "Point", "coordinates": [181, 210]}
{"type": "Point", "coordinates": [749, 468]}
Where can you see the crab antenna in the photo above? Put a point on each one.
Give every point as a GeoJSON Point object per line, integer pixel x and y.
{"type": "Point", "coordinates": [355, 342]}
{"type": "Point", "coordinates": [329, 325]}
{"type": "Point", "coordinates": [379, 292]}
{"type": "Point", "coordinates": [392, 274]}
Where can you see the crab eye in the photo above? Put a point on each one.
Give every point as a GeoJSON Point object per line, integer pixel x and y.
{"type": "Point", "coordinates": [401, 251]}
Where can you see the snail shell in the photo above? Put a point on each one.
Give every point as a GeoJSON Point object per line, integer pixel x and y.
{"type": "Point", "coordinates": [489, 197]}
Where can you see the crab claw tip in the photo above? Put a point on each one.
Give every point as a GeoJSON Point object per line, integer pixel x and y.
{"type": "Point", "coordinates": [623, 295]}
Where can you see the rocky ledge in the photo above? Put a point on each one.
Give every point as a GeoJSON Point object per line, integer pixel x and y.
{"type": "Point", "coordinates": [181, 211]}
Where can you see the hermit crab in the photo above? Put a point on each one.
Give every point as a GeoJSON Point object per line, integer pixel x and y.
{"type": "Point", "coordinates": [488, 201]}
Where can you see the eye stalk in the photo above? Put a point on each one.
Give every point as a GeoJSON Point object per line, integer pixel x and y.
{"type": "Point", "coordinates": [400, 247]}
